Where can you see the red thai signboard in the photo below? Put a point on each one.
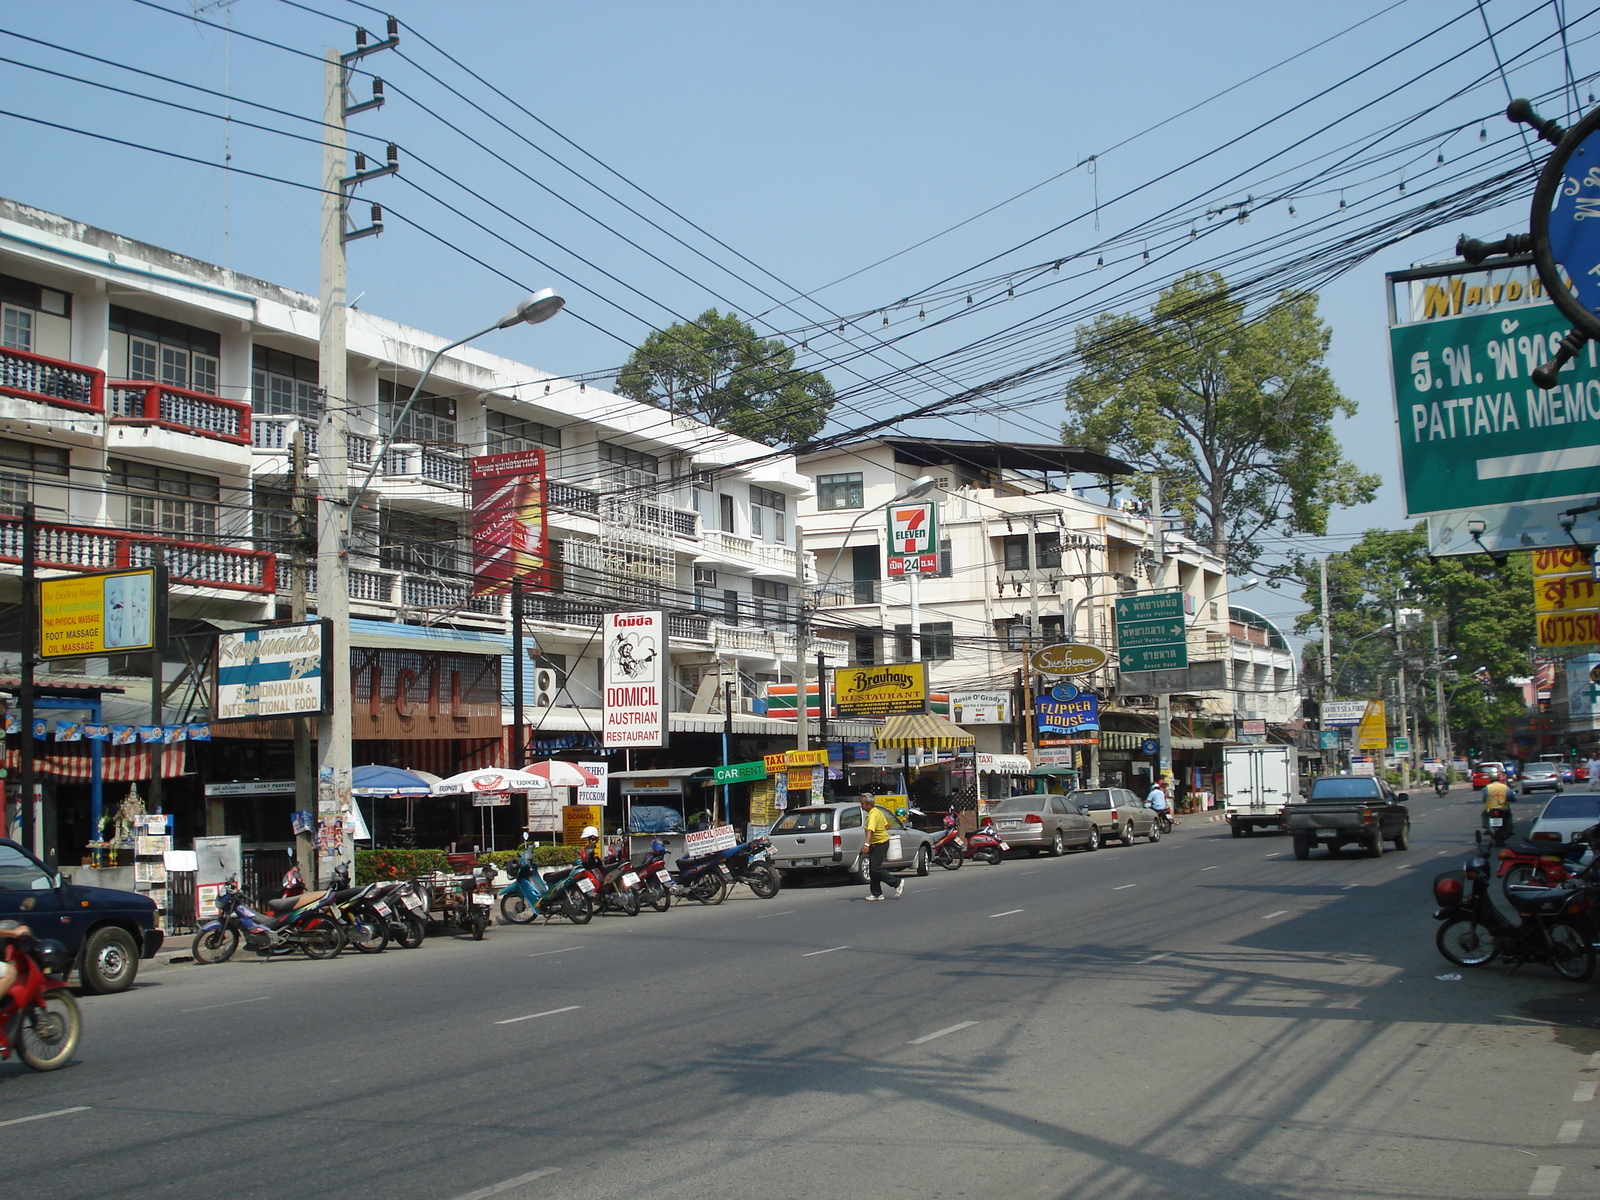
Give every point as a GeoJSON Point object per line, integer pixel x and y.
{"type": "Point", "coordinates": [510, 527]}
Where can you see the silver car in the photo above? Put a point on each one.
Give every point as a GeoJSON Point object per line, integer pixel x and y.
{"type": "Point", "coordinates": [829, 837]}
{"type": "Point", "coordinates": [1119, 814]}
{"type": "Point", "coordinates": [1039, 823]}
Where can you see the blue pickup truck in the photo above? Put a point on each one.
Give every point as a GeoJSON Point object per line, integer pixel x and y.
{"type": "Point", "coordinates": [106, 931]}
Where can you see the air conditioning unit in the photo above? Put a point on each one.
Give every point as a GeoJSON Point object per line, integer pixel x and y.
{"type": "Point", "coordinates": [705, 577]}
{"type": "Point", "coordinates": [546, 683]}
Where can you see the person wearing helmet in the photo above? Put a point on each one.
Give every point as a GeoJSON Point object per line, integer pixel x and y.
{"type": "Point", "coordinates": [591, 846]}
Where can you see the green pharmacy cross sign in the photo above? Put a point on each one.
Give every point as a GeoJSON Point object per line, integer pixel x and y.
{"type": "Point", "coordinates": [1152, 632]}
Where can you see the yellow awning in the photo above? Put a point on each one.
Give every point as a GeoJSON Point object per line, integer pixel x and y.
{"type": "Point", "coordinates": [910, 730]}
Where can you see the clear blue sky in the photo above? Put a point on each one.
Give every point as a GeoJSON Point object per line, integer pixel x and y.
{"type": "Point", "coordinates": [816, 139]}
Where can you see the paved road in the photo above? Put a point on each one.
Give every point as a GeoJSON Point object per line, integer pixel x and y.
{"type": "Point", "coordinates": [1205, 1017]}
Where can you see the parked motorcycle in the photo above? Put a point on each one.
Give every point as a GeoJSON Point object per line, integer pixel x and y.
{"type": "Point", "coordinates": [530, 895]}
{"type": "Point", "coordinates": [706, 878]}
{"type": "Point", "coordinates": [750, 863]}
{"type": "Point", "coordinates": [655, 879]}
{"type": "Point", "coordinates": [305, 923]}
{"type": "Point", "coordinates": [1553, 928]}
{"type": "Point", "coordinates": [403, 907]}
{"type": "Point", "coordinates": [39, 1017]}
{"type": "Point", "coordinates": [618, 884]}
{"type": "Point", "coordinates": [948, 848]}
{"type": "Point", "coordinates": [1544, 865]}
{"type": "Point", "coordinates": [985, 844]}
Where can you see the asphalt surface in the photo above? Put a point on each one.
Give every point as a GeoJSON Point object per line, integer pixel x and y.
{"type": "Point", "coordinates": [1203, 1017]}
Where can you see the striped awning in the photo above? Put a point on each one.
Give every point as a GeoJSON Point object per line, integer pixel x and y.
{"type": "Point", "coordinates": [71, 763]}
{"type": "Point", "coordinates": [911, 730]}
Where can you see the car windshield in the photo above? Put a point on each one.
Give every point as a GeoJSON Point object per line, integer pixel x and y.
{"type": "Point", "coordinates": [1486, 767]}
{"type": "Point", "coordinates": [805, 820]}
{"type": "Point", "coordinates": [1095, 799]}
{"type": "Point", "coordinates": [1021, 804]}
{"type": "Point", "coordinates": [1583, 808]}
{"type": "Point", "coordinates": [1352, 788]}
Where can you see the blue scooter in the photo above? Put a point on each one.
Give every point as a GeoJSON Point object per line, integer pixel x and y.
{"type": "Point", "coordinates": [529, 895]}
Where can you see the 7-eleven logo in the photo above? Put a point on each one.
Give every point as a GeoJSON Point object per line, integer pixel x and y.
{"type": "Point", "coordinates": [912, 529]}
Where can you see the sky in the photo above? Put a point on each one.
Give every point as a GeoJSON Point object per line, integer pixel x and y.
{"type": "Point", "coordinates": [654, 160]}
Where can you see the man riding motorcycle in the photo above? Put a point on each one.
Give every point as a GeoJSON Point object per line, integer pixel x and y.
{"type": "Point", "coordinates": [1441, 781]}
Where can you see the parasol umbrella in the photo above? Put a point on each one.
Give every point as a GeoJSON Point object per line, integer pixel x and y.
{"type": "Point", "coordinates": [374, 780]}
{"type": "Point", "coordinates": [491, 779]}
{"type": "Point", "coordinates": [563, 774]}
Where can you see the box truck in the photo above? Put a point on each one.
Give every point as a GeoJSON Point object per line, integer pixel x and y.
{"type": "Point", "coordinates": [1257, 781]}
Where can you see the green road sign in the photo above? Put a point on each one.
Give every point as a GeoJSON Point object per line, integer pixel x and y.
{"type": "Point", "coordinates": [739, 772]}
{"type": "Point", "coordinates": [1155, 658]}
{"type": "Point", "coordinates": [1402, 745]}
{"type": "Point", "coordinates": [1474, 430]}
{"type": "Point", "coordinates": [1133, 634]}
{"type": "Point", "coordinates": [1159, 606]}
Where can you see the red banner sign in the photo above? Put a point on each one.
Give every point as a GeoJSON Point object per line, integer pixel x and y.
{"type": "Point", "coordinates": [510, 528]}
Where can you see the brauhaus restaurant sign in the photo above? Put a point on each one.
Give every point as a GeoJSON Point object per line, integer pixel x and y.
{"type": "Point", "coordinates": [880, 691]}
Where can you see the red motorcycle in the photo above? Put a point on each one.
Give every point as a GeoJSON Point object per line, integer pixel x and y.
{"type": "Point", "coordinates": [948, 849]}
{"type": "Point", "coordinates": [985, 844]}
{"type": "Point", "coordinates": [1544, 866]}
{"type": "Point", "coordinates": [39, 1017]}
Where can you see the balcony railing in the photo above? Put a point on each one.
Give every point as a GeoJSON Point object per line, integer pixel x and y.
{"type": "Point", "coordinates": [51, 381]}
{"type": "Point", "coordinates": [689, 625]}
{"type": "Point", "coordinates": [277, 433]}
{"type": "Point", "coordinates": [856, 591]}
{"type": "Point", "coordinates": [572, 499]}
{"type": "Point", "coordinates": [733, 545]}
{"type": "Point", "coordinates": [754, 640]}
{"type": "Point", "coordinates": [196, 564]}
{"type": "Point", "coordinates": [141, 403]}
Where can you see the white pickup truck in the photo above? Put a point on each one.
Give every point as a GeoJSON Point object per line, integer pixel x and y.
{"type": "Point", "coordinates": [1257, 781]}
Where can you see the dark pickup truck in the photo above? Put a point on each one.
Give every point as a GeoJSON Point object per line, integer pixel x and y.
{"type": "Point", "coordinates": [106, 931]}
{"type": "Point", "coordinates": [1342, 810]}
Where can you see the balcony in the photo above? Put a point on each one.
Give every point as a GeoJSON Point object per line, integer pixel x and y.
{"type": "Point", "coordinates": [402, 589]}
{"type": "Point", "coordinates": [572, 499]}
{"type": "Point", "coordinates": [193, 564]}
{"type": "Point", "coordinates": [771, 558]}
{"type": "Point", "coordinates": [851, 592]}
{"type": "Point", "coordinates": [275, 435]}
{"type": "Point", "coordinates": [752, 640]}
{"type": "Point", "coordinates": [180, 410]}
{"type": "Point", "coordinates": [50, 381]}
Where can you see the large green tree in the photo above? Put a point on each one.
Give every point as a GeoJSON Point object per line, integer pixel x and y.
{"type": "Point", "coordinates": [1485, 616]}
{"type": "Point", "coordinates": [1233, 410]}
{"type": "Point", "coordinates": [718, 370]}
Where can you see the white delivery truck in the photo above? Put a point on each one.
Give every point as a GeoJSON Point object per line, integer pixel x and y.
{"type": "Point", "coordinates": [1257, 781]}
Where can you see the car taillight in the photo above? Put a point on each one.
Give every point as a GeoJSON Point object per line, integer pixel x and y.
{"type": "Point", "coordinates": [1113, 814]}
{"type": "Point", "coordinates": [1366, 816]}
{"type": "Point", "coordinates": [1447, 891]}
{"type": "Point", "coordinates": [837, 841]}
{"type": "Point", "coordinates": [1033, 819]}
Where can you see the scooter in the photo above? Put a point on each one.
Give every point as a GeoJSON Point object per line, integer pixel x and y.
{"type": "Point", "coordinates": [1545, 865]}
{"type": "Point", "coordinates": [1440, 785]}
{"type": "Point", "coordinates": [530, 895]}
{"type": "Point", "coordinates": [304, 922]}
{"type": "Point", "coordinates": [750, 863]}
{"type": "Point", "coordinates": [39, 1017]}
{"type": "Point", "coordinates": [655, 880]}
{"type": "Point", "coordinates": [948, 848]}
{"type": "Point", "coordinates": [985, 844]}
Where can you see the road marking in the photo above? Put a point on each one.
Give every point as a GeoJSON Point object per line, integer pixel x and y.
{"type": "Point", "coordinates": [1271, 856]}
{"type": "Point", "coordinates": [227, 1004]}
{"type": "Point", "coordinates": [939, 1033]}
{"type": "Point", "coordinates": [1027, 872]}
{"type": "Point", "coordinates": [1544, 1181]}
{"type": "Point", "coordinates": [829, 950]}
{"type": "Point", "coordinates": [563, 950]}
{"type": "Point", "coordinates": [1154, 958]}
{"type": "Point", "coordinates": [549, 1012]}
{"type": "Point", "coordinates": [495, 1189]}
{"type": "Point", "coordinates": [1279, 913]}
{"type": "Point", "coordinates": [1348, 886]}
{"type": "Point", "coordinates": [1584, 1092]}
{"type": "Point", "coordinates": [59, 1112]}
{"type": "Point", "coordinates": [1124, 887]}
{"type": "Point", "coordinates": [1010, 912]}
{"type": "Point", "coordinates": [1569, 1132]}
{"type": "Point", "coordinates": [1208, 868]}
{"type": "Point", "coordinates": [788, 912]}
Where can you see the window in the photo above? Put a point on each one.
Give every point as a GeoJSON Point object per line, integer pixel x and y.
{"type": "Point", "coordinates": [21, 304]}
{"type": "Point", "coordinates": [938, 641]}
{"type": "Point", "coordinates": [274, 521]}
{"type": "Point", "coordinates": [755, 523]}
{"type": "Point", "coordinates": [1015, 551]}
{"type": "Point", "coordinates": [771, 601]}
{"type": "Point", "coordinates": [866, 650]}
{"type": "Point", "coordinates": [429, 419]}
{"type": "Point", "coordinates": [730, 607]}
{"type": "Point", "coordinates": [506, 433]}
{"type": "Point", "coordinates": [19, 873]}
{"type": "Point", "coordinates": [635, 460]}
{"type": "Point", "coordinates": [166, 500]}
{"type": "Point", "coordinates": [17, 331]}
{"type": "Point", "coordinates": [21, 465]}
{"type": "Point", "coordinates": [409, 542]}
{"type": "Point", "coordinates": [725, 513]}
{"type": "Point", "coordinates": [146, 347]}
{"type": "Point", "coordinates": [839, 491]}
{"type": "Point", "coordinates": [767, 509]}
{"type": "Point", "coordinates": [286, 385]}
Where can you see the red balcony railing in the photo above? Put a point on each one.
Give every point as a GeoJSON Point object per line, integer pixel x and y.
{"type": "Point", "coordinates": [148, 403]}
{"type": "Point", "coordinates": [51, 381]}
{"type": "Point", "coordinates": [198, 564]}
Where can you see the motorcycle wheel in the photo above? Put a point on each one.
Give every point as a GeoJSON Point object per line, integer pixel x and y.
{"type": "Point", "coordinates": [1570, 952]}
{"type": "Point", "coordinates": [1518, 876]}
{"type": "Point", "coordinates": [576, 906]}
{"type": "Point", "coordinates": [708, 889]}
{"type": "Point", "coordinates": [950, 858]}
{"type": "Point", "coordinates": [323, 940]}
{"type": "Point", "coordinates": [411, 933]}
{"type": "Point", "coordinates": [657, 897]}
{"type": "Point", "coordinates": [990, 855]}
{"type": "Point", "coordinates": [478, 925]}
{"type": "Point", "coordinates": [214, 945]}
{"type": "Point", "coordinates": [628, 902]}
{"type": "Point", "coordinates": [369, 935]}
{"type": "Point", "coordinates": [763, 879]}
{"type": "Point", "coordinates": [1466, 943]}
{"type": "Point", "coordinates": [514, 910]}
{"type": "Point", "coordinates": [47, 1035]}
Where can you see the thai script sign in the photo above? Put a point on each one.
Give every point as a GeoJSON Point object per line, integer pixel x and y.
{"type": "Point", "coordinates": [634, 679]}
{"type": "Point", "coordinates": [510, 525]}
{"type": "Point", "coordinates": [1566, 598]}
{"type": "Point", "coordinates": [913, 538]}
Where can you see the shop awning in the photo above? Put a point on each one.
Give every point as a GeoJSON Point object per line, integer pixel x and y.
{"type": "Point", "coordinates": [660, 773]}
{"type": "Point", "coordinates": [908, 731]}
{"type": "Point", "coordinates": [1052, 772]}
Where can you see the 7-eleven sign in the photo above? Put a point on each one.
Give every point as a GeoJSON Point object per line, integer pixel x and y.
{"type": "Point", "coordinates": [913, 538]}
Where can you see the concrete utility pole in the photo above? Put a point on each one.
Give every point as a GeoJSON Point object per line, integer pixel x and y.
{"type": "Point", "coordinates": [1441, 737]}
{"type": "Point", "coordinates": [1327, 638]}
{"type": "Point", "coordinates": [1164, 700]}
{"type": "Point", "coordinates": [334, 501]}
{"type": "Point", "coordinates": [802, 722]}
{"type": "Point", "coordinates": [1400, 693]}
{"type": "Point", "coordinates": [301, 501]}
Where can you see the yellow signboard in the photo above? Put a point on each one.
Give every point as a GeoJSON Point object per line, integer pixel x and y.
{"type": "Point", "coordinates": [574, 819]}
{"type": "Point", "coordinates": [806, 758]}
{"type": "Point", "coordinates": [880, 691]}
{"type": "Point", "coordinates": [1373, 732]}
{"type": "Point", "coordinates": [1566, 598]}
{"type": "Point", "coordinates": [116, 612]}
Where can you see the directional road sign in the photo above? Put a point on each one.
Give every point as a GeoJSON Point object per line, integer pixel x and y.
{"type": "Point", "coordinates": [1152, 632]}
{"type": "Point", "coordinates": [1133, 634]}
{"type": "Point", "coordinates": [1168, 605]}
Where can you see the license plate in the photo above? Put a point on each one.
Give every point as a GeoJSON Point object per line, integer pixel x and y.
{"type": "Point", "coordinates": [1010, 824]}
{"type": "Point", "coordinates": [663, 874]}
{"type": "Point", "coordinates": [1327, 833]}
{"type": "Point", "coordinates": [802, 862]}
{"type": "Point", "coordinates": [415, 904]}
{"type": "Point", "coordinates": [1496, 822]}
{"type": "Point", "coordinates": [585, 884]}
{"type": "Point", "coordinates": [381, 908]}
{"type": "Point", "coordinates": [723, 867]}
{"type": "Point", "coordinates": [629, 878]}
{"type": "Point", "coordinates": [486, 901]}
{"type": "Point", "coordinates": [1005, 845]}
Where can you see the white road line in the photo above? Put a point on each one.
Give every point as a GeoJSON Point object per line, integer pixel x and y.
{"type": "Point", "coordinates": [1154, 958]}
{"type": "Point", "coordinates": [1209, 868]}
{"type": "Point", "coordinates": [939, 1033]}
{"type": "Point", "coordinates": [60, 1112]}
{"type": "Point", "coordinates": [1584, 1092]}
{"type": "Point", "coordinates": [1271, 856]}
{"type": "Point", "coordinates": [1027, 872]}
{"type": "Point", "coordinates": [1124, 887]}
{"type": "Point", "coordinates": [495, 1189]}
{"type": "Point", "coordinates": [1279, 913]}
{"type": "Point", "coordinates": [1347, 887]}
{"type": "Point", "coordinates": [549, 1012]}
{"type": "Point", "coordinates": [1544, 1181]}
{"type": "Point", "coordinates": [1010, 912]}
{"type": "Point", "coordinates": [829, 950]}
{"type": "Point", "coordinates": [563, 950]}
{"type": "Point", "coordinates": [788, 912]}
{"type": "Point", "coordinates": [227, 1004]}
{"type": "Point", "coordinates": [1569, 1132]}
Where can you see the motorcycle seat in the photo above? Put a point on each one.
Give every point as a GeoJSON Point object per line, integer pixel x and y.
{"type": "Point", "coordinates": [286, 904]}
{"type": "Point", "coordinates": [340, 897]}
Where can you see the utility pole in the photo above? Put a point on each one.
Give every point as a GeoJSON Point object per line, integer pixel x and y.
{"type": "Point", "coordinates": [32, 836]}
{"type": "Point", "coordinates": [334, 502]}
{"type": "Point", "coordinates": [1164, 700]}
{"type": "Point", "coordinates": [802, 693]}
{"type": "Point", "coordinates": [300, 560]}
{"type": "Point", "coordinates": [1440, 737]}
{"type": "Point", "coordinates": [1400, 692]}
{"type": "Point", "coordinates": [1327, 651]}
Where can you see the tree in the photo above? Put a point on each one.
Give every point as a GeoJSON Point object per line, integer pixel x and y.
{"type": "Point", "coordinates": [719, 371]}
{"type": "Point", "coordinates": [1233, 413]}
{"type": "Point", "coordinates": [1485, 615]}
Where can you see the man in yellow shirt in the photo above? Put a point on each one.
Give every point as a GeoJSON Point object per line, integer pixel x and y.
{"type": "Point", "coordinates": [876, 849]}
{"type": "Point", "coordinates": [1497, 802]}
